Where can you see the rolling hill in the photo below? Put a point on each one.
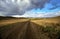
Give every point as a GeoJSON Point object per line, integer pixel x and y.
{"type": "Point", "coordinates": [29, 28]}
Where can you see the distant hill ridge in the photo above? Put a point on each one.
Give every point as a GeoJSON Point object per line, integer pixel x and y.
{"type": "Point", "coordinates": [25, 17]}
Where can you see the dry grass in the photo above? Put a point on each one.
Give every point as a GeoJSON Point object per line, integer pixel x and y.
{"type": "Point", "coordinates": [10, 21]}
{"type": "Point", "coordinates": [47, 28]}
{"type": "Point", "coordinates": [47, 21]}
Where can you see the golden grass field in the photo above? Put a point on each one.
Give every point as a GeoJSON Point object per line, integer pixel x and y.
{"type": "Point", "coordinates": [30, 28]}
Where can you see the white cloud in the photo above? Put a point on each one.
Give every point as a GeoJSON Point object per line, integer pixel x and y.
{"type": "Point", "coordinates": [39, 14]}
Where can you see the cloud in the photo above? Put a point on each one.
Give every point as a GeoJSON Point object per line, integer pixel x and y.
{"type": "Point", "coordinates": [39, 3]}
{"type": "Point", "coordinates": [14, 7]}
{"type": "Point", "coordinates": [39, 14]}
{"type": "Point", "coordinates": [42, 14]}
{"type": "Point", "coordinates": [20, 7]}
{"type": "Point", "coordinates": [55, 3]}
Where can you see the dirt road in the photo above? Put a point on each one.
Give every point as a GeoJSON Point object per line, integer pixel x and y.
{"type": "Point", "coordinates": [13, 31]}
{"type": "Point", "coordinates": [21, 30]}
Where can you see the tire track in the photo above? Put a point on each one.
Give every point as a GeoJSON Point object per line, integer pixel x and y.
{"type": "Point", "coordinates": [22, 33]}
{"type": "Point", "coordinates": [7, 32]}
{"type": "Point", "coordinates": [37, 33]}
{"type": "Point", "coordinates": [31, 32]}
{"type": "Point", "coordinates": [14, 34]}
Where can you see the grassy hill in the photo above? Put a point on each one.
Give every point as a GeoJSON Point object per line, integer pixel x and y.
{"type": "Point", "coordinates": [29, 28]}
{"type": "Point", "coordinates": [9, 17]}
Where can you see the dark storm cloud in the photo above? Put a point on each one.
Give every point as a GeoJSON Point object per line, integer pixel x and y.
{"type": "Point", "coordinates": [39, 3]}
{"type": "Point", "coordinates": [19, 7]}
{"type": "Point", "coordinates": [12, 7]}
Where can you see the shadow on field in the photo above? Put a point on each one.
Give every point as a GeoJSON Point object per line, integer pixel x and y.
{"type": "Point", "coordinates": [29, 30]}
{"type": "Point", "coordinates": [0, 36]}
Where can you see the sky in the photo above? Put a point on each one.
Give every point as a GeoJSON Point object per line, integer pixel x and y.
{"type": "Point", "coordinates": [30, 8]}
